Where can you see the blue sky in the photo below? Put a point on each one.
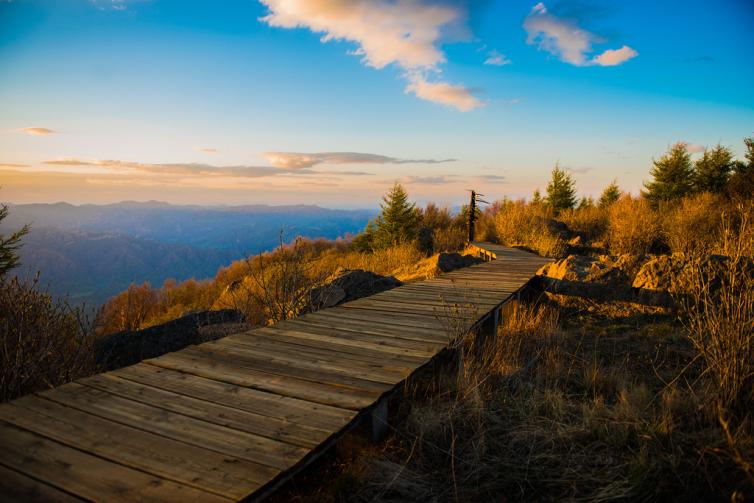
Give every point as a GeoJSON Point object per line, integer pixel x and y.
{"type": "Point", "coordinates": [245, 102]}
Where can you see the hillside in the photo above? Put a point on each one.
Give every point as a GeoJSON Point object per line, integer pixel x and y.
{"type": "Point", "coordinates": [91, 252]}
{"type": "Point", "coordinates": [90, 267]}
{"type": "Point", "coordinates": [241, 229]}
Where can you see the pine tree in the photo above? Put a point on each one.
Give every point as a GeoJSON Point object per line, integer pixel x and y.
{"type": "Point", "coordinates": [561, 191]}
{"type": "Point", "coordinates": [9, 245]}
{"type": "Point", "coordinates": [586, 202]}
{"type": "Point", "coordinates": [398, 221]}
{"type": "Point", "coordinates": [536, 198]}
{"type": "Point", "coordinates": [673, 175]}
{"type": "Point", "coordinates": [610, 195]}
{"type": "Point", "coordinates": [713, 169]}
{"type": "Point", "coordinates": [741, 183]}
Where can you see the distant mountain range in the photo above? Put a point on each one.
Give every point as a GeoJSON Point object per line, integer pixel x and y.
{"type": "Point", "coordinates": [91, 252]}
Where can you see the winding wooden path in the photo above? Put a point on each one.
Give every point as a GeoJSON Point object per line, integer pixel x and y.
{"type": "Point", "coordinates": [234, 418]}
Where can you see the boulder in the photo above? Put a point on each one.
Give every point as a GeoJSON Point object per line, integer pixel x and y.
{"type": "Point", "coordinates": [350, 284]}
{"type": "Point", "coordinates": [434, 265]}
{"type": "Point", "coordinates": [586, 269]}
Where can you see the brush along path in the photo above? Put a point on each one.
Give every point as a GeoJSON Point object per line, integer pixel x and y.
{"type": "Point", "coordinates": [234, 418]}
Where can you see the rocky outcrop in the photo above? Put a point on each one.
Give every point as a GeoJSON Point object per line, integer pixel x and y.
{"type": "Point", "coordinates": [129, 347]}
{"type": "Point", "coordinates": [436, 264]}
{"type": "Point", "coordinates": [644, 279]}
{"type": "Point", "coordinates": [350, 284]}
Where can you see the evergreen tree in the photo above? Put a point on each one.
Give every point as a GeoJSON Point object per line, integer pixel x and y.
{"type": "Point", "coordinates": [586, 202]}
{"type": "Point", "coordinates": [536, 198]}
{"type": "Point", "coordinates": [398, 221]}
{"type": "Point", "coordinates": [9, 245]}
{"type": "Point", "coordinates": [673, 175]}
{"type": "Point", "coordinates": [713, 169]}
{"type": "Point", "coordinates": [561, 191]}
{"type": "Point", "coordinates": [610, 195]}
{"type": "Point", "coordinates": [741, 183]}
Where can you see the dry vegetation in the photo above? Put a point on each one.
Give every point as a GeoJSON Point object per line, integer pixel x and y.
{"type": "Point", "coordinates": [43, 342]}
{"type": "Point", "coordinates": [566, 403]}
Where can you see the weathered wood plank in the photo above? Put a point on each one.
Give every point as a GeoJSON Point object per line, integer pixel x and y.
{"type": "Point", "coordinates": [223, 415]}
{"type": "Point", "coordinates": [229, 371]}
{"type": "Point", "coordinates": [145, 451]}
{"type": "Point", "coordinates": [238, 444]}
{"type": "Point", "coordinates": [290, 410]}
{"type": "Point", "coordinates": [17, 487]}
{"type": "Point", "coordinates": [87, 476]}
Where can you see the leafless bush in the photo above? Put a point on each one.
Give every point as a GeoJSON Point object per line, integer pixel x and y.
{"type": "Point", "coordinates": [278, 284]}
{"type": "Point", "coordinates": [43, 342]}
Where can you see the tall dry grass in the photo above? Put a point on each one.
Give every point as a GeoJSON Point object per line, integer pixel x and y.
{"type": "Point", "coordinates": [590, 222]}
{"type": "Point", "coordinates": [530, 226]}
{"type": "Point", "coordinates": [633, 227]}
{"type": "Point", "coordinates": [692, 225]}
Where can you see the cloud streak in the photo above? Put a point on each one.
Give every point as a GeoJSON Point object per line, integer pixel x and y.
{"type": "Point", "coordinates": [299, 160]}
{"type": "Point", "coordinates": [406, 33]}
{"type": "Point", "coordinates": [494, 58]}
{"type": "Point", "coordinates": [565, 39]}
{"type": "Point", "coordinates": [37, 131]}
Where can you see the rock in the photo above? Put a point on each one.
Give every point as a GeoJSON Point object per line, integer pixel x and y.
{"type": "Point", "coordinates": [434, 265]}
{"type": "Point", "coordinates": [586, 269]}
{"type": "Point", "coordinates": [126, 348]}
{"type": "Point", "coordinates": [348, 284]}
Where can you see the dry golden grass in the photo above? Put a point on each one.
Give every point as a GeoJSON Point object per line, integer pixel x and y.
{"type": "Point", "coordinates": [590, 223]}
{"type": "Point", "coordinates": [521, 224]}
{"type": "Point", "coordinates": [692, 225]}
{"type": "Point", "coordinates": [633, 227]}
{"type": "Point", "coordinates": [563, 405]}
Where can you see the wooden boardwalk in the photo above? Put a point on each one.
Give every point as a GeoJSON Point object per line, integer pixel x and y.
{"type": "Point", "coordinates": [234, 418]}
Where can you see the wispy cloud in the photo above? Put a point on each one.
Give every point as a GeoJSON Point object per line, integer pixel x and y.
{"type": "Point", "coordinates": [406, 33]}
{"type": "Point", "coordinates": [564, 38]}
{"type": "Point", "coordinates": [207, 150]}
{"type": "Point", "coordinates": [490, 179]}
{"type": "Point", "coordinates": [579, 170]}
{"type": "Point", "coordinates": [37, 131]}
{"type": "Point", "coordinates": [694, 148]}
{"type": "Point", "coordinates": [192, 169]}
{"type": "Point", "coordinates": [614, 57]}
{"type": "Point", "coordinates": [494, 58]}
{"type": "Point", "coordinates": [453, 96]}
{"type": "Point", "coordinates": [299, 160]}
{"type": "Point", "coordinates": [429, 180]}
{"type": "Point", "coordinates": [12, 165]}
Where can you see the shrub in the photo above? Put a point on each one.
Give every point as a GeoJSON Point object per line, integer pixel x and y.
{"type": "Point", "coordinates": [632, 226]}
{"type": "Point", "coordinates": [590, 222]}
{"type": "Point", "coordinates": [43, 342]}
{"type": "Point", "coordinates": [692, 225]}
{"type": "Point", "coordinates": [531, 226]}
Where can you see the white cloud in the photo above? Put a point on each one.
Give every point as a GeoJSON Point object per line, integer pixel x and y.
{"type": "Point", "coordinates": [694, 148]}
{"type": "Point", "coordinates": [614, 57]}
{"type": "Point", "coordinates": [406, 33]}
{"type": "Point", "coordinates": [37, 131]}
{"type": "Point", "coordinates": [454, 96]}
{"type": "Point", "coordinates": [299, 160]}
{"type": "Point", "coordinates": [565, 39]}
{"type": "Point", "coordinates": [494, 58]}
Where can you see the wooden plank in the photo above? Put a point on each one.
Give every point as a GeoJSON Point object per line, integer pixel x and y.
{"type": "Point", "coordinates": [398, 330]}
{"type": "Point", "coordinates": [364, 347]}
{"type": "Point", "coordinates": [17, 487]}
{"type": "Point", "coordinates": [178, 427]}
{"type": "Point", "coordinates": [228, 371]}
{"type": "Point", "coordinates": [341, 335]}
{"type": "Point", "coordinates": [425, 320]}
{"type": "Point", "coordinates": [144, 451]}
{"type": "Point", "coordinates": [87, 476]}
{"type": "Point", "coordinates": [265, 426]}
{"type": "Point", "coordinates": [290, 410]}
{"type": "Point", "coordinates": [360, 358]}
{"type": "Point", "coordinates": [287, 365]}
